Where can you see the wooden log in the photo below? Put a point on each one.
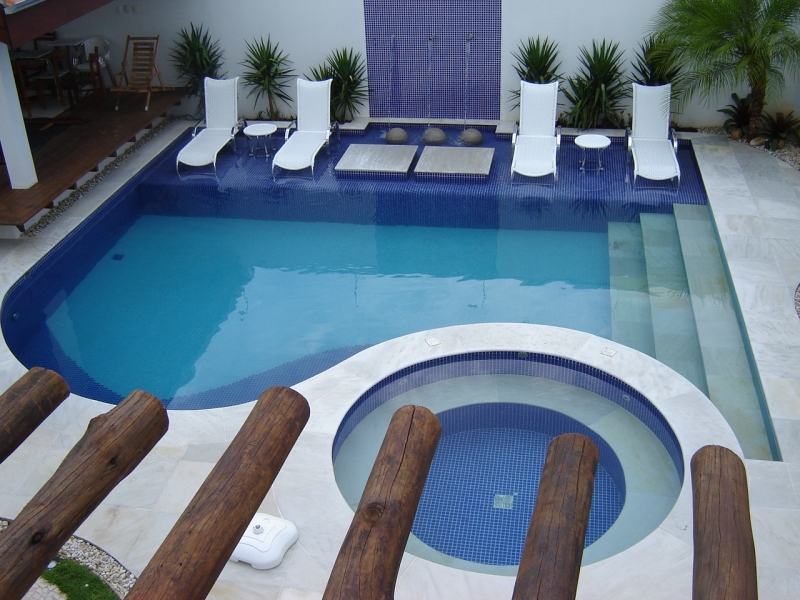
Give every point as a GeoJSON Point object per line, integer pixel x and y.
{"type": "Point", "coordinates": [190, 559]}
{"type": "Point", "coordinates": [27, 403]}
{"type": "Point", "coordinates": [370, 556]}
{"type": "Point", "coordinates": [724, 552]}
{"type": "Point", "coordinates": [551, 559]}
{"type": "Point", "coordinates": [114, 443]}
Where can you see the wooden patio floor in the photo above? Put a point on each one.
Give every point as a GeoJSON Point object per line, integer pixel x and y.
{"type": "Point", "coordinates": [70, 155]}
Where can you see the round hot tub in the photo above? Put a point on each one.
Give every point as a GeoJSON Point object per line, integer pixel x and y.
{"type": "Point", "coordinates": [499, 410]}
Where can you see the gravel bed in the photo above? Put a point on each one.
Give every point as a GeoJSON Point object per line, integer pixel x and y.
{"type": "Point", "coordinates": [105, 566]}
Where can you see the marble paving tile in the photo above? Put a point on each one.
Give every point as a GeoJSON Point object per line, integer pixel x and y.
{"type": "Point", "coordinates": [115, 529]}
{"type": "Point", "coordinates": [304, 573]}
{"type": "Point", "coordinates": [424, 579]}
{"type": "Point", "coordinates": [782, 529]}
{"type": "Point", "coordinates": [668, 577]}
{"type": "Point", "coordinates": [740, 224]}
{"type": "Point", "coordinates": [210, 453]}
{"type": "Point", "coordinates": [322, 518]}
{"type": "Point", "coordinates": [309, 464]}
{"type": "Point", "coordinates": [782, 228]}
{"type": "Point", "coordinates": [788, 433]}
{"type": "Point", "coordinates": [770, 485]}
{"type": "Point", "coordinates": [783, 396]}
{"type": "Point", "coordinates": [776, 583]}
{"type": "Point", "coordinates": [181, 486]}
{"type": "Point", "coordinates": [743, 246]}
{"type": "Point", "coordinates": [289, 593]}
{"type": "Point", "coordinates": [225, 590]}
{"type": "Point", "coordinates": [143, 487]}
{"type": "Point", "coordinates": [152, 532]}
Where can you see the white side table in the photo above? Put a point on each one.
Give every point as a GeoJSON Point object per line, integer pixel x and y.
{"type": "Point", "coordinates": [592, 141]}
{"type": "Point", "coordinates": [258, 132]}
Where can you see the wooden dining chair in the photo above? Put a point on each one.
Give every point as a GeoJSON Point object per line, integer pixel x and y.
{"type": "Point", "coordinates": [138, 69]}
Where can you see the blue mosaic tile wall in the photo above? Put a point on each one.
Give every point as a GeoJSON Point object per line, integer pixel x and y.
{"type": "Point", "coordinates": [438, 59]}
{"type": "Point", "coordinates": [495, 449]}
{"type": "Point", "coordinates": [513, 363]}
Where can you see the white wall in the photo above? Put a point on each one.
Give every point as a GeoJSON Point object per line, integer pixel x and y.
{"type": "Point", "coordinates": [309, 29]}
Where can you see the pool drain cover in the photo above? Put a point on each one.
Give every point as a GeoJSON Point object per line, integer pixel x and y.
{"type": "Point", "coordinates": [503, 501]}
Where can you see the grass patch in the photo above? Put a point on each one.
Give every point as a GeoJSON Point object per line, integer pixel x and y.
{"type": "Point", "coordinates": [78, 582]}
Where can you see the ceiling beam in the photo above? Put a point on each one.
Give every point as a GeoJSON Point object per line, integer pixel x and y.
{"type": "Point", "coordinates": [28, 23]}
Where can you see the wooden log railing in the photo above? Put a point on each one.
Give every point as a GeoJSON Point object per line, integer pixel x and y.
{"type": "Point", "coordinates": [724, 551]}
{"type": "Point", "coordinates": [369, 559]}
{"type": "Point", "coordinates": [551, 558]}
{"type": "Point", "coordinates": [26, 404]}
{"type": "Point", "coordinates": [190, 559]}
{"type": "Point", "coordinates": [114, 443]}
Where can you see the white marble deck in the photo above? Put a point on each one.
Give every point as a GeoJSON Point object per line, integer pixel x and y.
{"type": "Point", "coordinates": [376, 158]}
{"type": "Point", "coordinates": [436, 160]}
{"type": "Point", "coordinates": [757, 211]}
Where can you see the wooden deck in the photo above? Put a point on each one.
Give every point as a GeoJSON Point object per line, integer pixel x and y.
{"type": "Point", "coordinates": [62, 161]}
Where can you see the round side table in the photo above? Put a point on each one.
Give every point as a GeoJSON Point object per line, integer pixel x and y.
{"type": "Point", "coordinates": [258, 132]}
{"type": "Point", "coordinates": [592, 141]}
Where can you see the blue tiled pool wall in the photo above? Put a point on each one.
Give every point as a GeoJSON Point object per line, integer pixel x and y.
{"type": "Point", "coordinates": [578, 202]}
{"type": "Point", "coordinates": [513, 363]}
{"type": "Point", "coordinates": [500, 448]}
{"type": "Point", "coordinates": [401, 55]}
{"type": "Point", "coordinates": [34, 297]}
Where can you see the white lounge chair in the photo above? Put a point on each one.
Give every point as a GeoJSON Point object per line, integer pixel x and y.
{"type": "Point", "coordinates": [537, 142]}
{"type": "Point", "coordinates": [313, 127]}
{"type": "Point", "coordinates": [652, 144]}
{"type": "Point", "coordinates": [221, 124]}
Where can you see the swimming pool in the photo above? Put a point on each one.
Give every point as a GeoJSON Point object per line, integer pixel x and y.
{"type": "Point", "coordinates": [96, 310]}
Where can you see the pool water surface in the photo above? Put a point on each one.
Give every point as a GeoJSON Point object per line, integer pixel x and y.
{"type": "Point", "coordinates": [191, 305]}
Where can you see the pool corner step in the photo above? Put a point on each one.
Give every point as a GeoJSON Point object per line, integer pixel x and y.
{"type": "Point", "coordinates": [631, 321]}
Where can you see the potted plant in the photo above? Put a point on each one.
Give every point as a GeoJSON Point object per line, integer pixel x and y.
{"type": "Point", "coordinates": [196, 57]}
{"type": "Point", "coordinates": [596, 93]}
{"type": "Point", "coordinates": [536, 63]}
{"type": "Point", "coordinates": [267, 73]}
{"type": "Point", "coordinates": [348, 90]}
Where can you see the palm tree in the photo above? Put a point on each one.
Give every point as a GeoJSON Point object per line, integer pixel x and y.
{"type": "Point", "coordinates": [725, 43]}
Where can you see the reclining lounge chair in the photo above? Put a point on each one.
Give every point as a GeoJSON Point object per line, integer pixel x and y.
{"type": "Point", "coordinates": [537, 142]}
{"type": "Point", "coordinates": [313, 127]}
{"type": "Point", "coordinates": [651, 143]}
{"type": "Point", "coordinates": [221, 124]}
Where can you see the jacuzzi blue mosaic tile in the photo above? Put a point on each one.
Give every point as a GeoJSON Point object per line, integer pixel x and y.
{"type": "Point", "coordinates": [498, 449]}
{"type": "Point", "coordinates": [438, 60]}
{"type": "Point", "coordinates": [513, 363]}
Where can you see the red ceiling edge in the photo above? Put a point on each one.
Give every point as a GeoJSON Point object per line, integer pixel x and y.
{"type": "Point", "coordinates": [23, 26]}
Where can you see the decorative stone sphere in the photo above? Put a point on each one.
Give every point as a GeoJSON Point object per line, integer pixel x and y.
{"type": "Point", "coordinates": [396, 135]}
{"type": "Point", "coordinates": [736, 133]}
{"type": "Point", "coordinates": [434, 136]}
{"type": "Point", "coordinates": [471, 137]}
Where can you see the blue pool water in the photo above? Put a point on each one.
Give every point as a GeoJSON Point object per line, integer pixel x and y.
{"type": "Point", "coordinates": [206, 290]}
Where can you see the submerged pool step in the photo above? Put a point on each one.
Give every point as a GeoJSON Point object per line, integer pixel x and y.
{"type": "Point", "coordinates": [631, 321]}
{"type": "Point", "coordinates": [727, 370]}
{"type": "Point", "coordinates": [674, 331]}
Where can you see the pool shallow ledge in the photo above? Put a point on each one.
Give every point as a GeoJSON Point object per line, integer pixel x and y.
{"type": "Point", "coordinates": [665, 555]}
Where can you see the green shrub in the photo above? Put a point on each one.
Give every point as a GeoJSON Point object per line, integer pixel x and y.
{"type": "Point", "coordinates": [596, 93]}
{"type": "Point", "coordinates": [348, 91]}
{"type": "Point", "coordinates": [536, 63]}
{"type": "Point", "coordinates": [267, 73]}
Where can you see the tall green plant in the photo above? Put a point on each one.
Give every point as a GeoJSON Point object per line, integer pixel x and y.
{"type": "Point", "coordinates": [196, 57]}
{"type": "Point", "coordinates": [599, 88]}
{"type": "Point", "coordinates": [267, 73]}
{"type": "Point", "coordinates": [348, 71]}
{"type": "Point", "coordinates": [653, 67]}
{"type": "Point", "coordinates": [727, 43]}
{"type": "Point", "coordinates": [536, 63]}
